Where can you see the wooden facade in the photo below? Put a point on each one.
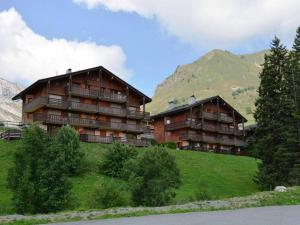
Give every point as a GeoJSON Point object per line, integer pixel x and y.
{"type": "Point", "coordinates": [98, 104]}
{"type": "Point", "coordinates": [210, 124]}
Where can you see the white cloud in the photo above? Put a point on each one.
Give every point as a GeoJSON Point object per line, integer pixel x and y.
{"type": "Point", "coordinates": [218, 23]}
{"type": "Point", "coordinates": [25, 55]}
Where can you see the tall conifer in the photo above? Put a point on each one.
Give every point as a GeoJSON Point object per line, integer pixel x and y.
{"type": "Point", "coordinates": [270, 132]}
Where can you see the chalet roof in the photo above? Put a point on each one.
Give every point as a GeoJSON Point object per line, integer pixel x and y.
{"type": "Point", "coordinates": [186, 107]}
{"type": "Point", "coordinates": [41, 81]}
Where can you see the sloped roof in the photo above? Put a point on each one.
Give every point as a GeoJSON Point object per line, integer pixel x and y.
{"type": "Point", "coordinates": [185, 107]}
{"type": "Point", "coordinates": [41, 81]}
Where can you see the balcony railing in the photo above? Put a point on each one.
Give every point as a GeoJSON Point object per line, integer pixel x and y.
{"type": "Point", "coordinates": [78, 106]}
{"type": "Point", "coordinates": [83, 107]}
{"type": "Point", "coordinates": [35, 104]}
{"type": "Point", "coordinates": [214, 116]}
{"type": "Point", "coordinates": [183, 124]}
{"type": "Point", "coordinates": [83, 92]}
{"type": "Point", "coordinates": [211, 139]}
{"type": "Point", "coordinates": [107, 96]}
{"type": "Point", "coordinates": [192, 137]}
{"type": "Point", "coordinates": [198, 125]}
{"type": "Point", "coordinates": [96, 138]}
{"type": "Point", "coordinates": [110, 139]}
{"type": "Point", "coordinates": [83, 122]}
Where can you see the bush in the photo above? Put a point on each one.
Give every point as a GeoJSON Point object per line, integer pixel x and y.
{"type": "Point", "coordinates": [153, 142]}
{"type": "Point", "coordinates": [67, 141]}
{"type": "Point", "coordinates": [202, 195]}
{"type": "Point", "coordinates": [115, 158]}
{"type": "Point", "coordinates": [170, 144]}
{"type": "Point", "coordinates": [107, 195]}
{"type": "Point", "coordinates": [154, 176]}
{"type": "Point", "coordinates": [38, 179]}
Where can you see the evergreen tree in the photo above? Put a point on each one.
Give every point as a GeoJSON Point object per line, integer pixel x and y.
{"type": "Point", "coordinates": [38, 179]}
{"type": "Point", "coordinates": [271, 109]}
{"type": "Point", "coordinates": [154, 177]}
{"type": "Point", "coordinates": [67, 142]}
{"type": "Point", "coordinates": [294, 87]}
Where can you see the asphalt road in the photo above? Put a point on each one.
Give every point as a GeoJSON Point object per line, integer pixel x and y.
{"type": "Point", "coordinates": [276, 215]}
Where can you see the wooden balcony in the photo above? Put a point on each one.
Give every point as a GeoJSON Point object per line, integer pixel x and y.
{"type": "Point", "coordinates": [96, 138]}
{"type": "Point", "coordinates": [119, 112]}
{"type": "Point", "coordinates": [83, 107]}
{"type": "Point", "coordinates": [83, 92]}
{"type": "Point", "coordinates": [211, 139]}
{"type": "Point", "coordinates": [110, 139]}
{"type": "Point", "coordinates": [214, 116]}
{"type": "Point", "coordinates": [191, 137]}
{"type": "Point", "coordinates": [183, 124]}
{"type": "Point", "coordinates": [35, 104]}
{"type": "Point", "coordinates": [111, 97]}
{"type": "Point", "coordinates": [91, 123]}
{"type": "Point", "coordinates": [199, 126]}
{"type": "Point", "coordinates": [94, 94]}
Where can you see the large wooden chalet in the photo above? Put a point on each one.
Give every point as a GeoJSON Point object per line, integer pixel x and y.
{"type": "Point", "coordinates": [210, 124]}
{"type": "Point", "coordinates": [98, 104]}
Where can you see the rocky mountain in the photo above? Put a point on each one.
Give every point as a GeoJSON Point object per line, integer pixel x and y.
{"type": "Point", "coordinates": [233, 77]}
{"type": "Point", "coordinates": [9, 110]}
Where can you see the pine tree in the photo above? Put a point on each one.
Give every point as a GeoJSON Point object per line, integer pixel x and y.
{"type": "Point", "coordinates": [39, 179]}
{"type": "Point", "coordinates": [294, 87]}
{"type": "Point", "coordinates": [270, 133]}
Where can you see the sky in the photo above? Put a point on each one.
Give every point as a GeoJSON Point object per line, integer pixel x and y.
{"type": "Point", "coordinates": [142, 41]}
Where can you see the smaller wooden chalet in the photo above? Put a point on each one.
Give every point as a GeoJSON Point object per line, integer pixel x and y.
{"type": "Point", "coordinates": [209, 124]}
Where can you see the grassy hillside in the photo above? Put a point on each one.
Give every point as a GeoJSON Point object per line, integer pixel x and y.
{"type": "Point", "coordinates": [221, 176]}
{"type": "Point", "coordinates": [233, 77]}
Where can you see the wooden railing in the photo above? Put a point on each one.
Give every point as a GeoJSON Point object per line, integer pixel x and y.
{"type": "Point", "coordinates": [211, 139]}
{"type": "Point", "coordinates": [74, 90]}
{"type": "Point", "coordinates": [83, 92]}
{"type": "Point", "coordinates": [198, 125]}
{"type": "Point", "coordinates": [214, 116]}
{"type": "Point", "coordinates": [35, 104]}
{"type": "Point", "coordinates": [83, 107]}
{"type": "Point", "coordinates": [110, 139]}
{"type": "Point", "coordinates": [11, 134]}
{"type": "Point", "coordinates": [193, 137]}
{"type": "Point", "coordinates": [112, 97]}
{"type": "Point", "coordinates": [76, 121]}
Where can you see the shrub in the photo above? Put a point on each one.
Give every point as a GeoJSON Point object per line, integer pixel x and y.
{"type": "Point", "coordinates": [38, 179]}
{"type": "Point", "coordinates": [170, 144]}
{"type": "Point", "coordinates": [67, 141]}
{"type": "Point", "coordinates": [153, 142]}
{"type": "Point", "coordinates": [115, 158]}
{"type": "Point", "coordinates": [154, 176]}
{"type": "Point", "coordinates": [202, 195]}
{"type": "Point", "coordinates": [107, 195]}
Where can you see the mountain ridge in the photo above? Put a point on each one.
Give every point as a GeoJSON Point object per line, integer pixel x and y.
{"type": "Point", "coordinates": [9, 110]}
{"type": "Point", "coordinates": [219, 72]}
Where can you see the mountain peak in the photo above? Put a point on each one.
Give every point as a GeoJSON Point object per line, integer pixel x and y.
{"type": "Point", "coordinates": [9, 110]}
{"type": "Point", "coordinates": [218, 72]}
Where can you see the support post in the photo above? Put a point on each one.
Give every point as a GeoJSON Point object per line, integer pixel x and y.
{"type": "Point", "coordinates": [233, 117]}
{"type": "Point", "coordinates": [127, 100]}
{"type": "Point", "coordinates": [144, 107]}
{"type": "Point", "coordinates": [218, 109]}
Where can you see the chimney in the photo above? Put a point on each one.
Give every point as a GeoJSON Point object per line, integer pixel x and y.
{"type": "Point", "coordinates": [171, 104]}
{"type": "Point", "coordinates": [69, 70]}
{"type": "Point", "coordinates": [192, 99]}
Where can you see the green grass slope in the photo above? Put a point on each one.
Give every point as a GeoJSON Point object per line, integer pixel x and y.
{"type": "Point", "coordinates": [234, 77]}
{"type": "Point", "coordinates": [221, 176]}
